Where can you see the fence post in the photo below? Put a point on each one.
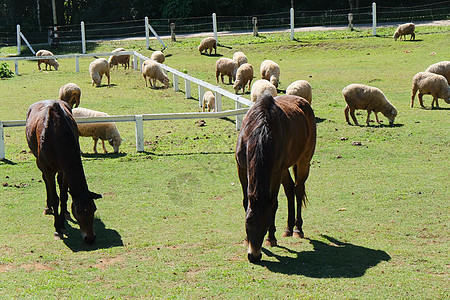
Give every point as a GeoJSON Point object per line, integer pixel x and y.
{"type": "Point", "coordinates": [239, 118]}
{"type": "Point", "coordinates": [175, 83]}
{"type": "Point", "coordinates": [350, 21]}
{"type": "Point", "coordinates": [135, 61]}
{"type": "Point", "coordinates": [83, 38]}
{"type": "Point", "coordinates": [218, 102]}
{"type": "Point", "coordinates": [201, 92]}
{"type": "Point", "coordinates": [2, 143]}
{"type": "Point", "coordinates": [214, 19]}
{"type": "Point", "coordinates": [147, 33]}
{"type": "Point", "coordinates": [292, 23]}
{"type": "Point", "coordinates": [77, 64]}
{"type": "Point", "coordinates": [187, 84]}
{"type": "Point", "coordinates": [16, 67]}
{"type": "Point", "coordinates": [19, 46]}
{"type": "Point", "coordinates": [172, 32]}
{"type": "Point", "coordinates": [255, 26]}
{"type": "Point", "coordinates": [139, 133]}
{"type": "Point", "coordinates": [374, 19]}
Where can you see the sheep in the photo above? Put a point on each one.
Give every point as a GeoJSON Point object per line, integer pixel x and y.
{"type": "Point", "coordinates": [208, 43]}
{"type": "Point", "coordinates": [270, 70]}
{"type": "Point", "coordinates": [97, 69]}
{"type": "Point", "coordinates": [405, 29]}
{"type": "Point", "coordinates": [153, 70]}
{"type": "Point", "coordinates": [440, 68]}
{"type": "Point", "coordinates": [115, 60]}
{"type": "Point", "coordinates": [260, 87]}
{"type": "Point", "coordinates": [209, 101]}
{"type": "Point", "coordinates": [48, 61]}
{"type": "Point", "coordinates": [158, 56]}
{"type": "Point", "coordinates": [244, 74]}
{"type": "Point", "coordinates": [71, 94]}
{"type": "Point", "coordinates": [240, 58]}
{"type": "Point", "coordinates": [300, 88]}
{"type": "Point", "coordinates": [103, 131]}
{"type": "Point", "coordinates": [430, 83]}
{"type": "Point", "coordinates": [372, 99]}
{"type": "Point", "coordinates": [226, 66]}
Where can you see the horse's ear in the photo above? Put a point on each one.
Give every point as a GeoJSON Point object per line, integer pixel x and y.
{"type": "Point", "coordinates": [95, 195]}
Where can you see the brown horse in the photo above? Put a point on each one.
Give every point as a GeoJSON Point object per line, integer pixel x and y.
{"type": "Point", "coordinates": [277, 133]}
{"type": "Point", "coordinates": [52, 136]}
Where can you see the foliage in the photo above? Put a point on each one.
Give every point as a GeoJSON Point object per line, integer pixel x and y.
{"type": "Point", "coordinates": [170, 224]}
{"type": "Point", "coordinates": [5, 72]}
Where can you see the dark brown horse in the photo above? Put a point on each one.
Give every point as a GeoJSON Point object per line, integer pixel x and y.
{"type": "Point", "coordinates": [52, 136]}
{"type": "Point", "coordinates": [277, 133]}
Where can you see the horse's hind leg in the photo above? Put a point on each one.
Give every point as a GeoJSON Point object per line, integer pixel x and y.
{"type": "Point", "coordinates": [301, 172]}
{"type": "Point", "coordinates": [288, 185]}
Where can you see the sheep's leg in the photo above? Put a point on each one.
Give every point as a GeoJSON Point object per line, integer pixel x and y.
{"type": "Point", "coordinates": [103, 145]}
{"type": "Point", "coordinates": [435, 99]}
{"type": "Point", "coordinates": [145, 79]}
{"type": "Point", "coordinates": [346, 111]}
{"type": "Point", "coordinates": [413, 95]}
{"type": "Point", "coordinates": [352, 114]}
{"type": "Point", "coordinates": [420, 95]}
{"type": "Point", "coordinates": [368, 117]}
{"type": "Point", "coordinates": [39, 65]}
{"type": "Point", "coordinates": [95, 145]}
{"type": "Point", "coordinates": [289, 190]}
{"type": "Point", "coordinates": [107, 75]}
{"type": "Point", "coordinates": [221, 77]}
{"type": "Point", "coordinates": [376, 117]}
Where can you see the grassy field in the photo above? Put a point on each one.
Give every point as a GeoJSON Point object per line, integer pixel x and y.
{"type": "Point", "coordinates": [171, 222]}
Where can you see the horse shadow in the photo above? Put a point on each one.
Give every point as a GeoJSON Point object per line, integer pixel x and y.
{"type": "Point", "coordinates": [106, 238]}
{"type": "Point", "coordinates": [327, 260]}
{"type": "Point", "coordinates": [111, 155]}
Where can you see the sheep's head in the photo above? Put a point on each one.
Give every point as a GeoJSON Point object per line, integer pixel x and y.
{"type": "Point", "coordinates": [115, 142]}
{"type": "Point", "coordinates": [165, 81]}
{"type": "Point", "coordinates": [396, 35]}
{"type": "Point", "coordinates": [237, 86]}
{"type": "Point", "coordinates": [55, 64]}
{"type": "Point", "coordinates": [391, 114]}
{"type": "Point", "coordinates": [200, 48]}
{"type": "Point", "coordinates": [274, 80]}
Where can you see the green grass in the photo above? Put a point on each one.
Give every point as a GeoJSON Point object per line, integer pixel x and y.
{"type": "Point", "coordinates": [171, 222]}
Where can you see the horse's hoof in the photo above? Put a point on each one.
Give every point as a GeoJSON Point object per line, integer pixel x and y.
{"type": "Point", "coordinates": [271, 243]}
{"type": "Point", "coordinates": [58, 236]}
{"type": "Point", "coordinates": [287, 233]}
{"type": "Point", "coordinates": [298, 234]}
{"type": "Point", "coordinates": [48, 211]}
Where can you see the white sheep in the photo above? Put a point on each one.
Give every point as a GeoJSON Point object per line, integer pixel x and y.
{"type": "Point", "coordinates": [372, 99]}
{"type": "Point", "coordinates": [208, 44]}
{"type": "Point", "coordinates": [158, 56]}
{"type": "Point", "coordinates": [226, 66]}
{"type": "Point", "coordinates": [405, 29]}
{"type": "Point", "coordinates": [209, 101]}
{"type": "Point", "coordinates": [240, 58]}
{"type": "Point", "coordinates": [71, 94]}
{"type": "Point", "coordinates": [300, 88]}
{"type": "Point", "coordinates": [244, 75]}
{"type": "Point", "coordinates": [440, 68]}
{"type": "Point", "coordinates": [270, 70]}
{"type": "Point", "coordinates": [260, 87]}
{"type": "Point", "coordinates": [103, 131]}
{"type": "Point", "coordinates": [153, 71]}
{"type": "Point", "coordinates": [48, 61]}
{"type": "Point", "coordinates": [97, 69]}
{"type": "Point", "coordinates": [430, 83]}
{"type": "Point", "coordinates": [115, 60]}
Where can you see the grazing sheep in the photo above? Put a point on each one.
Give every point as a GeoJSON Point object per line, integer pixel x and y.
{"type": "Point", "coordinates": [158, 56]}
{"type": "Point", "coordinates": [270, 70]}
{"type": "Point", "coordinates": [405, 29]}
{"type": "Point", "coordinates": [430, 83]}
{"type": "Point", "coordinates": [244, 74]}
{"type": "Point", "coordinates": [440, 68]}
{"type": "Point", "coordinates": [240, 58]}
{"type": "Point", "coordinates": [103, 131]}
{"type": "Point", "coordinates": [300, 88]}
{"type": "Point", "coordinates": [260, 87]}
{"type": "Point", "coordinates": [208, 44]}
{"type": "Point", "coordinates": [97, 69]}
{"type": "Point", "coordinates": [372, 99]}
{"type": "Point", "coordinates": [71, 94]}
{"type": "Point", "coordinates": [209, 101]}
{"type": "Point", "coordinates": [115, 60]}
{"type": "Point", "coordinates": [153, 70]}
{"type": "Point", "coordinates": [48, 61]}
{"type": "Point", "coordinates": [226, 66]}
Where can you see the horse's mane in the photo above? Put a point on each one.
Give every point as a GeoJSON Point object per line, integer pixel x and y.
{"type": "Point", "coordinates": [260, 146]}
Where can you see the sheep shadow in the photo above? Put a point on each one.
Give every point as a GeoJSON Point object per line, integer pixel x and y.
{"type": "Point", "coordinates": [7, 162]}
{"type": "Point", "coordinates": [435, 108]}
{"type": "Point", "coordinates": [106, 85]}
{"type": "Point", "coordinates": [332, 259]}
{"type": "Point", "coordinates": [106, 238]}
{"type": "Point", "coordinates": [103, 155]}
{"type": "Point", "coordinates": [212, 55]}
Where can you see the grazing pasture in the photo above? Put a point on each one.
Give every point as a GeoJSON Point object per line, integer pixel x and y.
{"type": "Point", "coordinates": [171, 223]}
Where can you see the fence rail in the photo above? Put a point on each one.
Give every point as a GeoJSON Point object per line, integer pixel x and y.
{"type": "Point", "coordinates": [241, 103]}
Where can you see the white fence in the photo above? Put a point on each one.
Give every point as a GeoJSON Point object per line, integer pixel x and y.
{"type": "Point", "coordinates": [241, 103]}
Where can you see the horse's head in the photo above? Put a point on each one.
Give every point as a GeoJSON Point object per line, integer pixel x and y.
{"type": "Point", "coordinates": [257, 222]}
{"type": "Point", "coordinates": [83, 209]}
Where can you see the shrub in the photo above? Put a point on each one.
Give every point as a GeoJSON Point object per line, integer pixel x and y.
{"type": "Point", "coordinates": [5, 72]}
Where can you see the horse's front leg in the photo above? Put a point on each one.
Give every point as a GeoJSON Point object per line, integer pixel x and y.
{"type": "Point", "coordinates": [63, 197]}
{"type": "Point", "coordinates": [53, 202]}
{"type": "Point", "coordinates": [271, 239]}
{"type": "Point", "coordinates": [242, 173]}
{"type": "Point", "coordinates": [288, 185]}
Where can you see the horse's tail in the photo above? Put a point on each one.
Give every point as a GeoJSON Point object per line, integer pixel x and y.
{"type": "Point", "coordinates": [305, 200]}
